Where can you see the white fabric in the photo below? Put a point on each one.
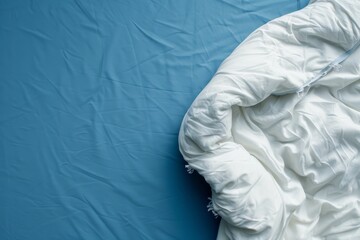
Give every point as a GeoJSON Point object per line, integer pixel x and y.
{"type": "Point", "coordinates": [282, 158]}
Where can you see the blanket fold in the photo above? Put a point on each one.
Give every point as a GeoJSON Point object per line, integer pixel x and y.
{"type": "Point", "coordinates": [275, 132]}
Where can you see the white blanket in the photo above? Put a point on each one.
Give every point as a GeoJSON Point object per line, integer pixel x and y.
{"type": "Point", "coordinates": [276, 132]}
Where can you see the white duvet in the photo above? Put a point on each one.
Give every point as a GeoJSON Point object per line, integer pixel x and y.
{"type": "Point", "coordinates": [276, 132]}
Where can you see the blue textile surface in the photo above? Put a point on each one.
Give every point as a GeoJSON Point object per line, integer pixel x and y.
{"type": "Point", "coordinates": [92, 94]}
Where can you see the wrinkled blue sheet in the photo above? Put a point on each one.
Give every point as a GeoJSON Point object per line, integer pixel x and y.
{"type": "Point", "coordinates": [92, 94]}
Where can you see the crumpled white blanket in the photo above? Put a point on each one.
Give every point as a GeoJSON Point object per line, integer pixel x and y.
{"type": "Point", "coordinates": [276, 132]}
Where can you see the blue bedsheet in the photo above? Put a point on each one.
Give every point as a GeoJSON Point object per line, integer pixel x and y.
{"type": "Point", "coordinates": [92, 94]}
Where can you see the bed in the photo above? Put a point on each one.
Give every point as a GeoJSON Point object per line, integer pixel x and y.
{"type": "Point", "coordinates": [92, 95]}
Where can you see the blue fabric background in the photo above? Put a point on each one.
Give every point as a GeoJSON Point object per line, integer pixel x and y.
{"type": "Point", "coordinates": [92, 94]}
